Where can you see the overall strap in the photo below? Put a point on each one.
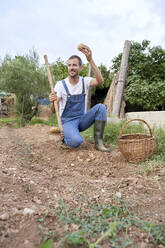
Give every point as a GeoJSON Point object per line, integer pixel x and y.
{"type": "Point", "coordinates": [65, 86]}
{"type": "Point", "coordinates": [83, 86]}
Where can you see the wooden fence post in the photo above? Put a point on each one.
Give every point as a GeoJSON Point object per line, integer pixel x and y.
{"type": "Point", "coordinates": [121, 80]}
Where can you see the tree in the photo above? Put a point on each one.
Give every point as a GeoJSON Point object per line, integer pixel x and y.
{"type": "Point", "coordinates": [99, 92]}
{"type": "Point", "coordinates": [59, 70]}
{"type": "Point", "coordinates": [107, 75]}
{"type": "Point", "coordinates": [146, 77]}
{"type": "Point", "coordinates": [23, 76]}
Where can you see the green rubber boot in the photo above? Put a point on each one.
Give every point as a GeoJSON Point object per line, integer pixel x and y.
{"type": "Point", "coordinates": [99, 126]}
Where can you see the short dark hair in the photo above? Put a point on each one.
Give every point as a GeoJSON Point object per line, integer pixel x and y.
{"type": "Point", "coordinates": [76, 57]}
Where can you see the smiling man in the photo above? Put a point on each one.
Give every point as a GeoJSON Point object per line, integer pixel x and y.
{"type": "Point", "coordinates": [71, 96]}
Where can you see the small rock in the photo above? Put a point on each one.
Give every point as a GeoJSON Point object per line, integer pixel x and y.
{"type": "Point", "coordinates": [91, 155]}
{"type": "Point", "coordinates": [96, 196]}
{"type": "Point", "coordinates": [38, 201]}
{"type": "Point", "coordinates": [4, 216]}
{"type": "Point", "coordinates": [26, 242]}
{"type": "Point", "coordinates": [132, 180]}
{"type": "Point", "coordinates": [14, 230]}
{"type": "Point", "coordinates": [32, 182]}
{"type": "Point", "coordinates": [118, 194]}
{"type": "Point", "coordinates": [79, 159]}
{"type": "Point", "coordinates": [107, 174]}
{"type": "Point", "coordinates": [28, 211]}
{"type": "Point", "coordinates": [74, 227]}
{"type": "Point", "coordinates": [2, 189]}
{"type": "Point", "coordinates": [139, 186]}
{"type": "Point", "coordinates": [16, 211]}
{"type": "Point", "coordinates": [70, 189]}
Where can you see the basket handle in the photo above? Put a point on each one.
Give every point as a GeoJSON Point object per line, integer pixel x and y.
{"type": "Point", "coordinates": [126, 123]}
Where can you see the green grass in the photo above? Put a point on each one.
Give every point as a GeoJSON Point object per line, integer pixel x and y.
{"type": "Point", "coordinates": [7, 120]}
{"type": "Point", "coordinates": [47, 244]}
{"type": "Point", "coordinates": [159, 134]}
{"type": "Point", "coordinates": [14, 122]}
{"type": "Point", "coordinates": [52, 121]}
{"type": "Point", "coordinates": [112, 131]}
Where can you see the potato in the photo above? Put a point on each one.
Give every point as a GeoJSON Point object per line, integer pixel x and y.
{"type": "Point", "coordinates": [80, 46]}
{"type": "Point", "coordinates": [54, 130]}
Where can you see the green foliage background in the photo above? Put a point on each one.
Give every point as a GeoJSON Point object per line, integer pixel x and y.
{"type": "Point", "coordinates": [146, 76]}
{"type": "Point", "coordinates": [24, 76]}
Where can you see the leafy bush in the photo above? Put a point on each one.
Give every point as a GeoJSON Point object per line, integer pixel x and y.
{"type": "Point", "coordinates": [24, 77]}
{"type": "Point", "coordinates": [146, 77]}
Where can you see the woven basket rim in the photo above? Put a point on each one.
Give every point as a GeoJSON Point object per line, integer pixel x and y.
{"type": "Point", "coordinates": [122, 137]}
{"type": "Point", "coordinates": [127, 122]}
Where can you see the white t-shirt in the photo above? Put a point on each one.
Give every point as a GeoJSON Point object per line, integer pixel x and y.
{"type": "Point", "coordinates": [73, 90]}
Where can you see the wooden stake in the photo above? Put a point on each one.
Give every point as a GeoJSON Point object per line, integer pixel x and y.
{"type": "Point", "coordinates": [52, 90]}
{"type": "Point", "coordinates": [121, 81]}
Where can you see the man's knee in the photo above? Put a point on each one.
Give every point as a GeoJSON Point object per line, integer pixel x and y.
{"type": "Point", "coordinates": [102, 112]}
{"type": "Point", "coordinates": [75, 141]}
{"type": "Point", "coordinates": [102, 107]}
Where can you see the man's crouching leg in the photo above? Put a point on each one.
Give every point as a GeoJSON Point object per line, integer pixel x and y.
{"type": "Point", "coordinates": [72, 137]}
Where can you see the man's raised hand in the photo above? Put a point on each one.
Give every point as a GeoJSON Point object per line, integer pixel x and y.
{"type": "Point", "coordinates": [86, 50]}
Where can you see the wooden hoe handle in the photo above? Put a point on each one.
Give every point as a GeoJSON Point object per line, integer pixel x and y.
{"type": "Point", "coordinates": [52, 90]}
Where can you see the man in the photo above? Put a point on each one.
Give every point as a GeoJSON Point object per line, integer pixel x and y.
{"type": "Point", "coordinates": [70, 95]}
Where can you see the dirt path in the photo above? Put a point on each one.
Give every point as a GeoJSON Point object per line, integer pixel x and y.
{"type": "Point", "coordinates": [35, 173]}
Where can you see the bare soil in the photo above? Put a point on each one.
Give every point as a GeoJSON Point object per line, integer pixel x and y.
{"type": "Point", "coordinates": [35, 173]}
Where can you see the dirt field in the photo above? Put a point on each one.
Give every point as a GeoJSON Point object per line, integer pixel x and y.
{"type": "Point", "coordinates": [35, 173]}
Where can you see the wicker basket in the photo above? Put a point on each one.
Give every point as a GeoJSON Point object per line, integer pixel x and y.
{"type": "Point", "coordinates": [136, 147]}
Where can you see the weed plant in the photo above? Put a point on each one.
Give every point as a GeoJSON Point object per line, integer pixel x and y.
{"type": "Point", "coordinates": [110, 223]}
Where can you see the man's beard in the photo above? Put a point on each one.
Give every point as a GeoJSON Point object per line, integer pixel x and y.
{"type": "Point", "coordinates": [73, 76]}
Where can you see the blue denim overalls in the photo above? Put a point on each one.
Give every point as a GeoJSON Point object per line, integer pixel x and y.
{"type": "Point", "coordinates": [75, 105]}
{"type": "Point", "coordinates": [74, 120]}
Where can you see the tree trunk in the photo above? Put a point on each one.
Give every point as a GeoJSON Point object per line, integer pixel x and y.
{"type": "Point", "coordinates": [121, 81]}
{"type": "Point", "coordinates": [111, 94]}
